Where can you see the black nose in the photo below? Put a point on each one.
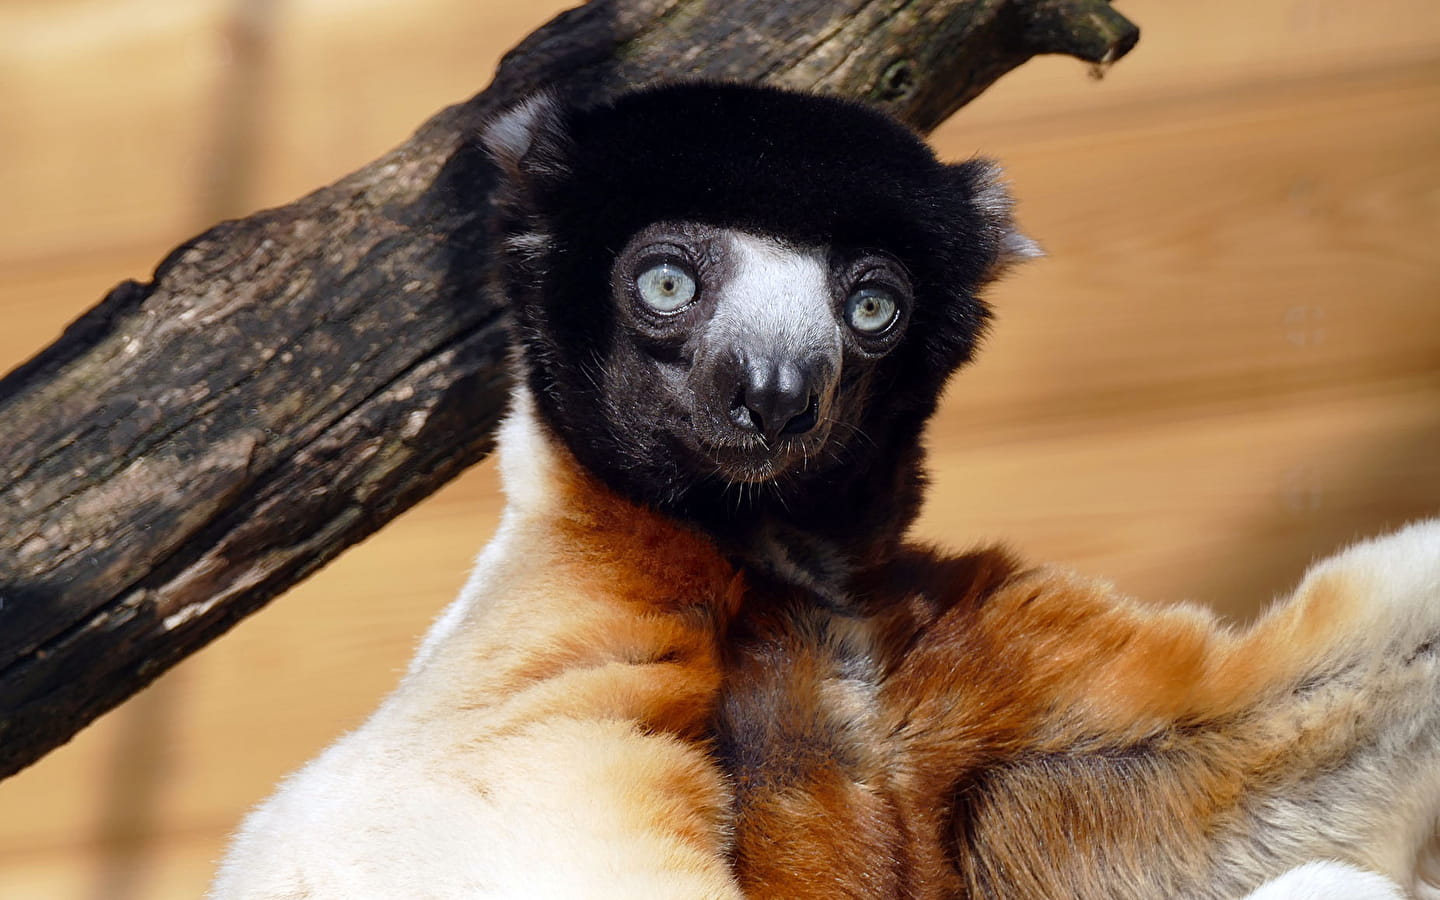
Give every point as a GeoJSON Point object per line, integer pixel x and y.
{"type": "Point", "coordinates": [776, 397]}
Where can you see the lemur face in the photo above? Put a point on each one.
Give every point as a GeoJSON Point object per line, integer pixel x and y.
{"type": "Point", "coordinates": [736, 303]}
{"type": "Point", "coordinates": [755, 349]}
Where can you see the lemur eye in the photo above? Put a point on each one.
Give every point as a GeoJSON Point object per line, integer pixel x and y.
{"type": "Point", "coordinates": [871, 310]}
{"type": "Point", "coordinates": [666, 287]}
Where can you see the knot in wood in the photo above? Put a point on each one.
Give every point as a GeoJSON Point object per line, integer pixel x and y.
{"type": "Point", "coordinates": [897, 82]}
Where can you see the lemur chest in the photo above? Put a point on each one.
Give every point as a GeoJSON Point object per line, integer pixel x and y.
{"type": "Point", "coordinates": [820, 808]}
{"type": "Point", "coordinates": [800, 698]}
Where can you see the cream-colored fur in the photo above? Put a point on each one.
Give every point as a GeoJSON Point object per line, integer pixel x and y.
{"type": "Point", "coordinates": [481, 778]}
{"type": "Point", "coordinates": [1328, 881]}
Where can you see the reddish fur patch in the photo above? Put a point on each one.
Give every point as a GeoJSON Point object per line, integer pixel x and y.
{"type": "Point", "coordinates": [1032, 734]}
{"type": "Point", "coordinates": [646, 598]}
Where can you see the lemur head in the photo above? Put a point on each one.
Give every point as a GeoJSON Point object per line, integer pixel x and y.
{"type": "Point", "coordinates": [740, 304]}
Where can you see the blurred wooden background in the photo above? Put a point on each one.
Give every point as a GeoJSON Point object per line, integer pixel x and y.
{"type": "Point", "coordinates": [1229, 363]}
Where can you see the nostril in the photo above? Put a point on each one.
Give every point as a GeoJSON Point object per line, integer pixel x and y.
{"type": "Point", "coordinates": [741, 413]}
{"type": "Point", "coordinates": [774, 398]}
{"type": "Point", "coordinates": [806, 420]}
{"type": "Point", "coordinates": [757, 421]}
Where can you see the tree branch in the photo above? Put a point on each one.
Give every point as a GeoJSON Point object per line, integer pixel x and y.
{"type": "Point", "coordinates": [289, 382]}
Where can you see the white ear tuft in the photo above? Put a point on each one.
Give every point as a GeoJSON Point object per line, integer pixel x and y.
{"type": "Point", "coordinates": [531, 124]}
{"type": "Point", "coordinates": [1016, 247]}
{"type": "Point", "coordinates": [992, 198]}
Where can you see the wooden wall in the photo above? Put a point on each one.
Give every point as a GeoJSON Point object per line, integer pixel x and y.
{"type": "Point", "coordinates": [1229, 363]}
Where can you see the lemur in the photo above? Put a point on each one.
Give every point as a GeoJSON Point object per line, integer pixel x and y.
{"type": "Point", "coordinates": [699, 659]}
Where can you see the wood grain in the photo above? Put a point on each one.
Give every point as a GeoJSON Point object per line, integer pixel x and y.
{"type": "Point", "coordinates": [1229, 363]}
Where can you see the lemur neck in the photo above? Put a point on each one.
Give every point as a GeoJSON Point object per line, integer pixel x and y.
{"type": "Point", "coordinates": [853, 521]}
{"type": "Point", "coordinates": [822, 540]}
{"type": "Point", "coordinates": [817, 534]}
{"type": "Point", "coordinates": [544, 482]}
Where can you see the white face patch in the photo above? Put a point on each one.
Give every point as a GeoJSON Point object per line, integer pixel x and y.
{"type": "Point", "coordinates": [777, 291]}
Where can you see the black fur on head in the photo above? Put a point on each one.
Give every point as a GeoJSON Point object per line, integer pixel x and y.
{"type": "Point", "coordinates": [580, 182]}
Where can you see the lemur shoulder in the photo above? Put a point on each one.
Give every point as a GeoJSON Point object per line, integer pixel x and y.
{"type": "Point", "coordinates": [699, 660]}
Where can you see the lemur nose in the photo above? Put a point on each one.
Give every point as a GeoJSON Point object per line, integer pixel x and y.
{"type": "Point", "coordinates": [776, 398]}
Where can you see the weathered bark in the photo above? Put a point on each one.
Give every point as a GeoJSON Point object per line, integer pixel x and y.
{"type": "Point", "coordinates": [289, 382]}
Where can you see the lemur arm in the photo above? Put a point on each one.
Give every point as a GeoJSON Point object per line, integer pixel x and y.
{"type": "Point", "coordinates": [1101, 748]}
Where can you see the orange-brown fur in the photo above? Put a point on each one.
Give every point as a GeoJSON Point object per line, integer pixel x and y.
{"type": "Point", "coordinates": [642, 644]}
{"type": "Point", "coordinates": [1027, 734]}
{"type": "Point", "coordinates": [631, 636]}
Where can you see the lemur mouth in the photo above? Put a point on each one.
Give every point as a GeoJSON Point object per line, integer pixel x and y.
{"type": "Point", "coordinates": [753, 460]}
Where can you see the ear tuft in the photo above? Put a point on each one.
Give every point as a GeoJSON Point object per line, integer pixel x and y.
{"type": "Point", "coordinates": [993, 201]}
{"type": "Point", "coordinates": [528, 139]}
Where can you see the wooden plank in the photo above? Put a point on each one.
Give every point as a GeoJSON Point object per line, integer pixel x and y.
{"type": "Point", "coordinates": [1214, 255]}
{"type": "Point", "coordinates": [111, 108]}
{"type": "Point", "coordinates": [1225, 509]}
{"type": "Point", "coordinates": [358, 78]}
{"type": "Point", "coordinates": [1220, 47]}
{"type": "Point", "coordinates": [177, 870]}
{"type": "Point", "coordinates": [104, 111]}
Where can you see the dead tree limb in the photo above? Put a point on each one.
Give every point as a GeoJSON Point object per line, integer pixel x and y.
{"type": "Point", "coordinates": [289, 382]}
